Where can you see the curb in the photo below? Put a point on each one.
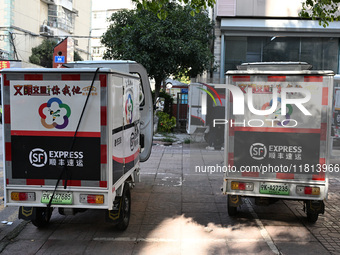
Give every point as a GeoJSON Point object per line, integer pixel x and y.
{"type": "Point", "coordinates": [14, 233]}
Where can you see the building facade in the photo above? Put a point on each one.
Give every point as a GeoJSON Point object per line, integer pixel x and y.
{"type": "Point", "coordinates": [270, 30]}
{"type": "Point", "coordinates": [24, 24]}
{"type": "Point", "coordinates": [101, 12]}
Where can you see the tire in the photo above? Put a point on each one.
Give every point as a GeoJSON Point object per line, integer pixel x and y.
{"type": "Point", "coordinates": [125, 209]}
{"type": "Point", "coordinates": [42, 216]}
{"type": "Point", "coordinates": [312, 217]}
{"type": "Point", "coordinates": [232, 210]}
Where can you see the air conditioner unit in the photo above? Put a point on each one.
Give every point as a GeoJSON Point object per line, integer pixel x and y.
{"type": "Point", "coordinates": [45, 30]}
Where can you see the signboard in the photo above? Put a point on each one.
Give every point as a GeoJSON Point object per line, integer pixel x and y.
{"type": "Point", "coordinates": [4, 64]}
{"type": "Point", "coordinates": [59, 59]}
{"type": "Point", "coordinates": [268, 149]}
{"type": "Point", "coordinates": [46, 157]}
{"type": "Point", "coordinates": [44, 117]}
{"type": "Point", "coordinates": [54, 106]}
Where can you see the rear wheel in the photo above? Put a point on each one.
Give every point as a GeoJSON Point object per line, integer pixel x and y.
{"type": "Point", "coordinates": [42, 216]}
{"type": "Point", "coordinates": [312, 217]}
{"type": "Point", "coordinates": [313, 208]}
{"type": "Point", "coordinates": [124, 208]}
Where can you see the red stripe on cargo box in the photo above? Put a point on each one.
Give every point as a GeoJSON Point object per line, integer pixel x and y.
{"type": "Point", "coordinates": [6, 82]}
{"type": "Point", "coordinates": [72, 182]}
{"type": "Point", "coordinates": [200, 119]}
{"type": "Point", "coordinates": [54, 133]}
{"type": "Point", "coordinates": [103, 154]}
{"type": "Point", "coordinates": [103, 114]}
{"type": "Point", "coordinates": [231, 159]}
{"type": "Point", "coordinates": [277, 78]}
{"type": "Point", "coordinates": [7, 112]}
{"type": "Point", "coordinates": [102, 79]}
{"type": "Point", "coordinates": [8, 150]}
{"type": "Point", "coordinates": [35, 182]}
{"type": "Point", "coordinates": [33, 77]}
{"type": "Point", "coordinates": [231, 129]}
{"type": "Point", "coordinates": [313, 78]}
{"type": "Point", "coordinates": [278, 130]}
{"type": "Point", "coordinates": [324, 96]}
{"type": "Point", "coordinates": [321, 176]}
{"type": "Point", "coordinates": [103, 184]}
{"type": "Point", "coordinates": [250, 174]}
{"type": "Point", "coordinates": [127, 159]}
{"type": "Point", "coordinates": [323, 134]}
{"type": "Point", "coordinates": [70, 77]}
{"type": "Point", "coordinates": [241, 78]}
{"type": "Point", "coordinates": [284, 176]}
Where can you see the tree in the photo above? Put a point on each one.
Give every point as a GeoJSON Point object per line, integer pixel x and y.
{"type": "Point", "coordinates": [175, 46]}
{"type": "Point", "coordinates": [324, 10]}
{"type": "Point", "coordinates": [159, 7]}
{"type": "Point", "coordinates": [43, 54]}
{"type": "Point", "coordinates": [77, 56]}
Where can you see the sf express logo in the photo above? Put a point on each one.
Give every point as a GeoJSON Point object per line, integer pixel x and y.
{"type": "Point", "coordinates": [38, 157]}
{"type": "Point", "coordinates": [258, 151]}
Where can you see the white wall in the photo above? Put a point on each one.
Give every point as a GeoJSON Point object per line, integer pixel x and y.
{"type": "Point", "coordinates": [101, 11]}
{"type": "Point", "coordinates": [258, 8]}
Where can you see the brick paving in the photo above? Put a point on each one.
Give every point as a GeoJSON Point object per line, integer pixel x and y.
{"type": "Point", "coordinates": [327, 229]}
{"type": "Point", "coordinates": [176, 210]}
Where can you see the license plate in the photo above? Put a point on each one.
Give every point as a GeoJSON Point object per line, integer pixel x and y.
{"type": "Point", "coordinates": [273, 188]}
{"type": "Point", "coordinates": [60, 198]}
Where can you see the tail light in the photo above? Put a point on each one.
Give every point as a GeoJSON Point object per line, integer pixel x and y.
{"type": "Point", "coordinates": [23, 196]}
{"type": "Point", "coordinates": [247, 186]}
{"type": "Point", "coordinates": [91, 199]}
{"type": "Point", "coordinates": [307, 190]}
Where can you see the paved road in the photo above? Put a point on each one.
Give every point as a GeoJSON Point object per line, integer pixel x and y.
{"type": "Point", "coordinates": [176, 210]}
{"type": "Point", "coordinates": [8, 216]}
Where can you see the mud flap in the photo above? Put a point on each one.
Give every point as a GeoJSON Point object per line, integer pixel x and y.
{"type": "Point", "coordinates": [27, 213]}
{"type": "Point", "coordinates": [234, 200]}
{"type": "Point", "coordinates": [315, 206]}
{"type": "Point", "coordinates": [113, 215]}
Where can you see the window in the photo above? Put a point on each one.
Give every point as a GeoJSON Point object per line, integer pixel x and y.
{"type": "Point", "coordinates": [95, 50]}
{"type": "Point", "coordinates": [319, 52]}
{"type": "Point", "coordinates": [60, 17]}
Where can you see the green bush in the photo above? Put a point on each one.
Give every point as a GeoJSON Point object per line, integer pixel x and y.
{"type": "Point", "coordinates": [165, 122]}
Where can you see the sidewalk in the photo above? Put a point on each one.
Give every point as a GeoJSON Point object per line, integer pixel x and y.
{"type": "Point", "coordinates": [176, 210]}
{"type": "Point", "coordinates": [188, 214]}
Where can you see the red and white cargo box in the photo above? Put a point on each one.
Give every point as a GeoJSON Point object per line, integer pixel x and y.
{"type": "Point", "coordinates": [74, 133]}
{"type": "Point", "coordinates": [272, 153]}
